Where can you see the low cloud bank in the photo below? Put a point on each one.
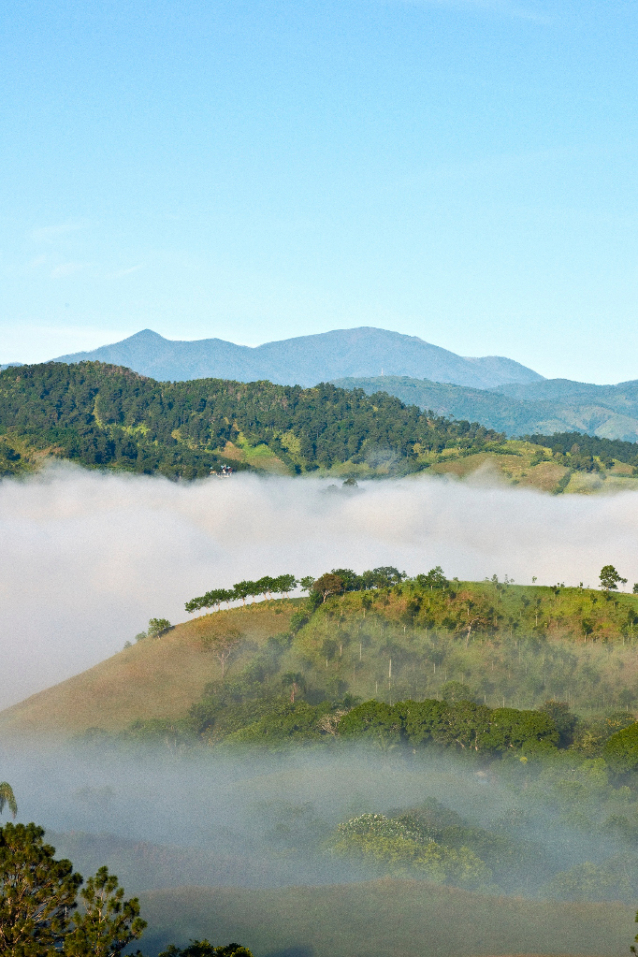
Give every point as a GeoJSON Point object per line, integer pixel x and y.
{"type": "Point", "coordinates": [86, 559]}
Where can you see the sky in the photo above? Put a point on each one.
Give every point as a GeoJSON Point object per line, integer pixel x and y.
{"type": "Point", "coordinates": [460, 170]}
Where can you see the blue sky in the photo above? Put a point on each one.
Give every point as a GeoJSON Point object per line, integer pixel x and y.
{"type": "Point", "coordinates": [461, 170]}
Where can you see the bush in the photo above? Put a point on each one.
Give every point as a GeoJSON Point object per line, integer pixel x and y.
{"type": "Point", "coordinates": [621, 750]}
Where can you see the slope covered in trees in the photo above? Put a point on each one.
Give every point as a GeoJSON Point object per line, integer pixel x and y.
{"type": "Point", "coordinates": [106, 416]}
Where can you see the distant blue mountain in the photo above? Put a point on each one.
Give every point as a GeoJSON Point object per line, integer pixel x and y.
{"type": "Point", "coordinates": [552, 405]}
{"type": "Point", "coordinates": [307, 360]}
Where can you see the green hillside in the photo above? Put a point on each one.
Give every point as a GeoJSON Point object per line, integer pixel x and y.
{"type": "Point", "coordinates": [280, 669]}
{"type": "Point", "coordinates": [109, 417]}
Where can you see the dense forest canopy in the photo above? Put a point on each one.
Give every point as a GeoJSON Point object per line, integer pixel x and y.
{"type": "Point", "coordinates": [103, 416]}
{"type": "Point", "coordinates": [100, 415]}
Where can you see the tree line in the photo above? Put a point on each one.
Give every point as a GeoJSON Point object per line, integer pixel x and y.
{"type": "Point", "coordinates": [336, 582]}
{"type": "Point", "coordinates": [586, 453]}
{"type": "Point", "coordinates": [266, 585]}
{"type": "Point", "coordinates": [342, 580]}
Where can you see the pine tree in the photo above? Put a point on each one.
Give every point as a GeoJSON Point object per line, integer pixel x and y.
{"type": "Point", "coordinates": [108, 923]}
{"type": "Point", "coordinates": [37, 893]}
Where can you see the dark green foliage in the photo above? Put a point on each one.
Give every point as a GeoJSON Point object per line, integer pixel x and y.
{"type": "Point", "coordinates": [434, 579]}
{"type": "Point", "coordinates": [464, 726]}
{"type": "Point", "coordinates": [375, 721]}
{"type": "Point", "coordinates": [610, 579]}
{"type": "Point", "coordinates": [583, 453]}
{"type": "Point", "coordinates": [37, 893]}
{"type": "Point", "coordinates": [287, 722]}
{"type": "Point", "coordinates": [107, 416]}
{"type": "Point", "coordinates": [108, 922]}
{"type": "Point", "coordinates": [203, 948]}
{"type": "Point", "coordinates": [621, 750]}
{"type": "Point", "coordinates": [564, 721]}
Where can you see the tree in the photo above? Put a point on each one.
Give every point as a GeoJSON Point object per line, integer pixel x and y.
{"type": "Point", "coordinates": [37, 893]}
{"type": "Point", "coordinates": [610, 579]}
{"type": "Point", "coordinates": [434, 579]}
{"type": "Point", "coordinates": [564, 720]}
{"type": "Point", "coordinates": [284, 584]}
{"type": "Point", "coordinates": [38, 906]}
{"type": "Point", "coordinates": [386, 576]}
{"type": "Point", "coordinates": [158, 627]}
{"type": "Point", "coordinates": [621, 750]}
{"type": "Point", "coordinates": [203, 948]}
{"type": "Point", "coordinates": [223, 646]}
{"type": "Point", "coordinates": [295, 681]}
{"type": "Point", "coordinates": [7, 797]}
{"type": "Point", "coordinates": [328, 585]}
{"type": "Point", "coordinates": [109, 923]}
{"type": "Point", "coordinates": [243, 590]}
{"type": "Point", "coordinates": [454, 691]}
{"type": "Point", "coordinates": [306, 583]}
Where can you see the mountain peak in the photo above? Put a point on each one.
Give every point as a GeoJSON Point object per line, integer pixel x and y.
{"type": "Point", "coordinates": [307, 360]}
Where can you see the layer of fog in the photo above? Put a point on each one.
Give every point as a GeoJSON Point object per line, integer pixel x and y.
{"type": "Point", "coordinates": [164, 821]}
{"type": "Point", "coordinates": [86, 559]}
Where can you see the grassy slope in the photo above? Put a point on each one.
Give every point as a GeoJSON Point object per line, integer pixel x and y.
{"type": "Point", "coordinates": [386, 918]}
{"type": "Point", "coordinates": [526, 644]}
{"type": "Point", "coordinates": [152, 679]}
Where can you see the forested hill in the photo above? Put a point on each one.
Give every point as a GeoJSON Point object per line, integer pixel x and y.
{"type": "Point", "coordinates": [108, 416]}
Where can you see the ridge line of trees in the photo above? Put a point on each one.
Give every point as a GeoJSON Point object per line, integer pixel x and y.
{"type": "Point", "coordinates": [336, 582]}
{"type": "Point", "coordinates": [341, 580]}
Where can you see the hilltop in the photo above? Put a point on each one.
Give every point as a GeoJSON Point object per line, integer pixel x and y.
{"type": "Point", "coordinates": [305, 360]}
{"type": "Point", "coordinates": [504, 644]}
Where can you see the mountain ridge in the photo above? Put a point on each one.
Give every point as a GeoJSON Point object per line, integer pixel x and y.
{"type": "Point", "coordinates": [305, 360]}
{"type": "Point", "coordinates": [552, 405]}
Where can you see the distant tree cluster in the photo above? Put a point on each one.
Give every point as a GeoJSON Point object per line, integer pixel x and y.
{"type": "Point", "coordinates": [156, 628]}
{"type": "Point", "coordinates": [462, 725]}
{"type": "Point", "coordinates": [587, 453]}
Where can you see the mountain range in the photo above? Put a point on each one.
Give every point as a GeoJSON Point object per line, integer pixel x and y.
{"type": "Point", "coordinates": [494, 391]}
{"type": "Point", "coordinates": [548, 406]}
{"type": "Point", "coordinates": [306, 360]}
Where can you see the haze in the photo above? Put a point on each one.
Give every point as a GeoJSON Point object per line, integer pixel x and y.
{"type": "Point", "coordinates": [88, 558]}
